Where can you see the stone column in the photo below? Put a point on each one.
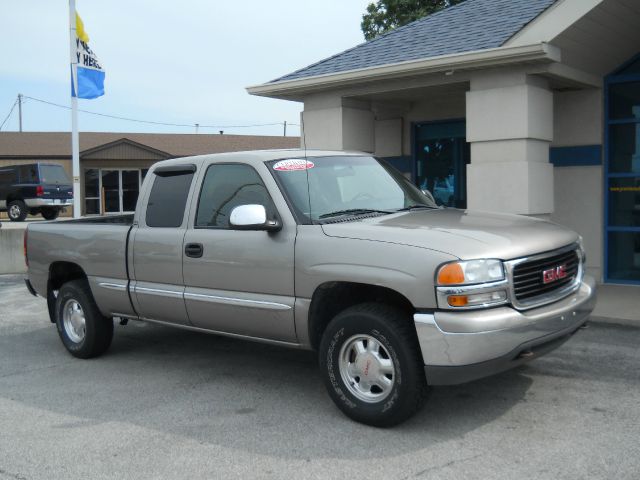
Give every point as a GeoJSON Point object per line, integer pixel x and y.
{"type": "Point", "coordinates": [335, 123]}
{"type": "Point", "coordinates": [510, 127]}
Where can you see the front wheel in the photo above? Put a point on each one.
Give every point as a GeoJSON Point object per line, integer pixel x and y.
{"type": "Point", "coordinates": [50, 213]}
{"type": "Point", "coordinates": [84, 331]}
{"type": "Point", "coordinates": [372, 366]}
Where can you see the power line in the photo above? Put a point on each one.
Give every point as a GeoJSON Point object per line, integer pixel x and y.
{"type": "Point", "coordinates": [151, 122]}
{"type": "Point", "coordinates": [10, 112]}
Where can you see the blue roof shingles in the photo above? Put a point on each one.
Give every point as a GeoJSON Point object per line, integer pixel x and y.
{"type": "Point", "coordinates": [468, 26]}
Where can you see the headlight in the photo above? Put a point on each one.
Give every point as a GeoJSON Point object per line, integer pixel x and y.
{"type": "Point", "coordinates": [470, 272]}
{"type": "Point", "coordinates": [471, 284]}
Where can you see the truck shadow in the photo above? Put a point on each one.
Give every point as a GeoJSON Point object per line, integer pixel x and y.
{"type": "Point", "coordinates": [219, 391]}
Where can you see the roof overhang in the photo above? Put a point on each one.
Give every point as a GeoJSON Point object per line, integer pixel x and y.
{"type": "Point", "coordinates": [495, 57]}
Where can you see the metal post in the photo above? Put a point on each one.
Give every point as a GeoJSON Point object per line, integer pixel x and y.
{"type": "Point", "coordinates": [20, 111]}
{"type": "Point", "coordinates": [75, 142]}
{"type": "Point", "coordinates": [285, 129]}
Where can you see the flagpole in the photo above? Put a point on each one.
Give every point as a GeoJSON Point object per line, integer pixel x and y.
{"type": "Point", "coordinates": [75, 142]}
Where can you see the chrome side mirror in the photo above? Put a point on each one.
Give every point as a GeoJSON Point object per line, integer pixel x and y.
{"type": "Point", "coordinates": [252, 217]}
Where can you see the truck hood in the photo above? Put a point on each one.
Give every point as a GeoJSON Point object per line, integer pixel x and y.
{"type": "Point", "coordinates": [462, 233]}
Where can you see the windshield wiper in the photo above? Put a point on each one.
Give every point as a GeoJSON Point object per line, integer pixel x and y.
{"type": "Point", "coordinates": [352, 211]}
{"type": "Point", "coordinates": [414, 207]}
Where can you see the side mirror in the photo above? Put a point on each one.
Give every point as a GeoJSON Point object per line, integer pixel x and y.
{"type": "Point", "coordinates": [428, 194]}
{"type": "Point", "coordinates": [252, 217]}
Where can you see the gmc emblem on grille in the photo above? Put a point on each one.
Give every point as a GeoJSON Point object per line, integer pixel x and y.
{"type": "Point", "coordinates": [554, 274]}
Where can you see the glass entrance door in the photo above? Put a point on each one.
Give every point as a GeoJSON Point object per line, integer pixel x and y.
{"type": "Point", "coordinates": [622, 236]}
{"type": "Point", "coordinates": [441, 155]}
{"type": "Point", "coordinates": [130, 189]}
{"type": "Point", "coordinates": [111, 191]}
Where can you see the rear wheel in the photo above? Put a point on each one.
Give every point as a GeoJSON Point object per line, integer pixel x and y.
{"type": "Point", "coordinates": [17, 211]}
{"type": "Point", "coordinates": [84, 331]}
{"type": "Point", "coordinates": [50, 213]}
{"type": "Point", "coordinates": [372, 366]}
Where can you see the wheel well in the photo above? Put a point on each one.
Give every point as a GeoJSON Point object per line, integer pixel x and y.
{"type": "Point", "coordinates": [11, 198]}
{"type": "Point", "coordinates": [331, 298]}
{"type": "Point", "coordinates": [63, 272]}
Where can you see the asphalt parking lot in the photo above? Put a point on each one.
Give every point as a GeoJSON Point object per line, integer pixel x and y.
{"type": "Point", "coordinates": [165, 403]}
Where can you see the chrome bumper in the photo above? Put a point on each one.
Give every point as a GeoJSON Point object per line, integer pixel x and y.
{"type": "Point", "coordinates": [458, 347]}
{"type": "Point", "coordinates": [48, 202]}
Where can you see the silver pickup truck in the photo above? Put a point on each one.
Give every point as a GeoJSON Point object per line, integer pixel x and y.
{"type": "Point", "coordinates": [329, 251]}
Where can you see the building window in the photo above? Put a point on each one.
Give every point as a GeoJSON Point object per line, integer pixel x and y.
{"type": "Point", "coordinates": [441, 154]}
{"type": "Point", "coordinates": [622, 236]}
{"type": "Point", "coordinates": [92, 191]}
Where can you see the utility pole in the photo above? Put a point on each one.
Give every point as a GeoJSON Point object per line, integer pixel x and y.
{"type": "Point", "coordinates": [285, 129]}
{"type": "Point", "coordinates": [20, 111]}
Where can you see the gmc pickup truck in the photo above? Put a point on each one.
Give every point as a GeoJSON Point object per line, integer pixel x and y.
{"type": "Point", "coordinates": [328, 251]}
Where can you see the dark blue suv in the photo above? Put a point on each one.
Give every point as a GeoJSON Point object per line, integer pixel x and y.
{"type": "Point", "coordinates": [35, 188]}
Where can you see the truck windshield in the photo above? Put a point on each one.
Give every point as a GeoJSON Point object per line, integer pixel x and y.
{"type": "Point", "coordinates": [53, 174]}
{"type": "Point", "coordinates": [322, 189]}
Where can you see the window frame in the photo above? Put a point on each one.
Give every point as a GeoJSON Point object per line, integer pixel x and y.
{"type": "Point", "coordinates": [201, 187]}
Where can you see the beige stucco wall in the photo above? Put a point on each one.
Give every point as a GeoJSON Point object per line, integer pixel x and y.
{"type": "Point", "coordinates": [578, 121]}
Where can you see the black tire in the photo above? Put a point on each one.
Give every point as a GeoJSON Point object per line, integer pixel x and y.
{"type": "Point", "coordinates": [17, 211]}
{"type": "Point", "coordinates": [391, 328]}
{"type": "Point", "coordinates": [98, 331]}
{"type": "Point", "coordinates": [50, 213]}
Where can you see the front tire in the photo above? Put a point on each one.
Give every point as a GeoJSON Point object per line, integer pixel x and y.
{"type": "Point", "coordinates": [50, 213]}
{"type": "Point", "coordinates": [84, 331]}
{"type": "Point", "coordinates": [371, 363]}
{"type": "Point", "coordinates": [17, 211]}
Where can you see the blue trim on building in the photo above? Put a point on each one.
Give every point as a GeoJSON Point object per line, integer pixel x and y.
{"type": "Point", "coordinates": [585, 155]}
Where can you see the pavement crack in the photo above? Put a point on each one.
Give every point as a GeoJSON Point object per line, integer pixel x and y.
{"type": "Point", "coordinates": [443, 466]}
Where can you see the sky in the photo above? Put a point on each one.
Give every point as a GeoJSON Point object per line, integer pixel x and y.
{"type": "Point", "coordinates": [182, 62]}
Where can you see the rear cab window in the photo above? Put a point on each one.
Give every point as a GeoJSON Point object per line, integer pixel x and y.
{"type": "Point", "coordinates": [168, 197]}
{"type": "Point", "coordinates": [52, 174]}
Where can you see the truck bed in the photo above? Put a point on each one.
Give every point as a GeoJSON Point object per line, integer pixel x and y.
{"type": "Point", "coordinates": [126, 219]}
{"type": "Point", "coordinates": [98, 245]}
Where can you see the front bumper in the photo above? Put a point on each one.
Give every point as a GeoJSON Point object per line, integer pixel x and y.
{"type": "Point", "coordinates": [458, 347]}
{"type": "Point", "coordinates": [48, 202]}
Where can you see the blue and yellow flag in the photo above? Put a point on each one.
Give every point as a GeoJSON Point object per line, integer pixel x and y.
{"type": "Point", "coordinates": [89, 82]}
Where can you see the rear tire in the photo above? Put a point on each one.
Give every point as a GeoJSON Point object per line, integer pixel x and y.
{"type": "Point", "coordinates": [372, 366]}
{"type": "Point", "coordinates": [84, 331]}
{"type": "Point", "coordinates": [50, 213]}
{"type": "Point", "coordinates": [17, 211]}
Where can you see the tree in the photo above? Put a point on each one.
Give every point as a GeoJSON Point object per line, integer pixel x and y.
{"type": "Point", "coordinates": [385, 15]}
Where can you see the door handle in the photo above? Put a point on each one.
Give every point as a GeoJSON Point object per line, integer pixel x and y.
{"type": "Point", "coordinates": [193, 250]}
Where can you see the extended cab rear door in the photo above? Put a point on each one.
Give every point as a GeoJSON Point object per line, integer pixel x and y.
{"type": "Point", "coordinates": [239, 281]}
{"type": "Point", "coordinates": [156, 242]}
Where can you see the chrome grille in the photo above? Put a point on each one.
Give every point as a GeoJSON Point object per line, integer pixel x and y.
{"type": "Point", "coordinates": [527, 276]}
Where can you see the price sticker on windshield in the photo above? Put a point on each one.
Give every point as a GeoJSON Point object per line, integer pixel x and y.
{"type": "Point", "coordinates": [293, 165]}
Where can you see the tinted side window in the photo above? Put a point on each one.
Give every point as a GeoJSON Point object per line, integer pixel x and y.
{"type": "Point", "coordinates": [29, 174]}
{"type": "Point", "coordinates": [168, 199]}
{"type": "Point", "coordinates": [226, 187]}
{"type": "Point", "coordinates": [7, 176]}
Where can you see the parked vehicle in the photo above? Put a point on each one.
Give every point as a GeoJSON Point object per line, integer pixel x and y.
{"type": "Point", "coordinates": [333, 252]}
{"type": "Point", "coordinates": [32, 189]}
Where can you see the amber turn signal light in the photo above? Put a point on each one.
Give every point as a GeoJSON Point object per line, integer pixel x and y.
{"type": "Point", "coordinates": [451, 274]}
{"type": "Point", "coordinates": [458, 300]}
